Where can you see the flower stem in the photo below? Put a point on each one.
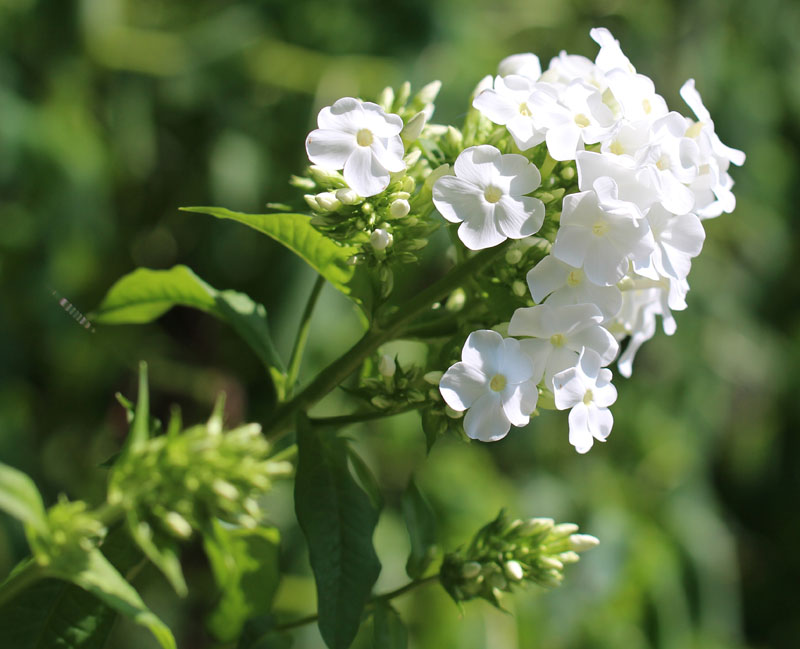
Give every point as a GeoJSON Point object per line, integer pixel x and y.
{"type": "Point", "coordinates": [384, 597]}
{"type": "Point", "coordinates": [358, 417]}
{"type": "Point", "coordinates": [381, 331]}
{"type": "Point", "coordinates": [302, 336]}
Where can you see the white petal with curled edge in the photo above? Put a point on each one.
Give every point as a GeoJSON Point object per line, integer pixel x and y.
{"type": "Point", "coordinates": [547, 276]}
{"type": "Point", "coordinates": [604, 395]}
{"type": "Point", "coordinates": [480, 232]}
{"type": "Point", "coordinates": [478, 164]}
{"type": "Point", "coordinates": [519, 401]}
{"type": "Point", "coordinates": [456, 199]}
{"type": "Point", "coordinates": [390, 156]}
{"type": "Point", "coordinates": [693, 100]}
{"type": "Point", "coordinates": [344, 115]}
{"type": "Point", "coordinates": [579, 435]}
{"type": "Point", "coordinates": [485, 420]}
{"type": "Point", "coordinates": [364, 174]}
{"type": "Point", "coordinates": [568, 389]}
{"type": "Point", "coordinates": [524, 177]}
{"type": "Point", "coordinates": [496, 107]}
{"type": "Point", "coordinates": [461, 385]}
{"type": "Point", "coordinates": [381, 124]}
{"type": "Point", "coordinates": [514, 365]}
{"type": "Point", "coordinates": [571, 245]}
{"type": "Point", "coordinates": [600, 422]}
{"type": "Point", "coordinates": [330, 149]}
{"type": "Point", "coordinates": [562, 141]}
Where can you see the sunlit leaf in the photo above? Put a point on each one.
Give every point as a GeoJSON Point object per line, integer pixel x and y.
{"type": "Point", "coordinates": [20, 498]}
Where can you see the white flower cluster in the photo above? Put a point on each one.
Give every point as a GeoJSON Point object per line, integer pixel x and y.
{"type": "Point", "coordinates": [647, 177]}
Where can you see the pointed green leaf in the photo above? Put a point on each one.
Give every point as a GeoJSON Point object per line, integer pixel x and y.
{"type": "Point", "coordinates": [144, 295]}
{"type": "Point", "coordinates": [388, 630]}
{"type": "Point", "coordinates": [295, 232]}
{"type": "Point", "coordinates": [421, 524]}
{"type": "Point", "coordinates": [259, 634]}
{"type": "Point", "coordinates": [338, 519]}
{"type": "Point", "coordinates": [20, 498]}
{"type": "Point", "coordinates": [245, 566]}
{"type": "Point", "coordinates": [100, 578]}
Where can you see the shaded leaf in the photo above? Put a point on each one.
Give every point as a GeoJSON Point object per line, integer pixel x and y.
{"type": "Point", "coordinates": [338, 519]}
{"type": "Point", "coordinates": [20, 498]}
{"type": "Point", "coordinates": [245, 566]}
{"type": "Point", "coordinates": [388, 630]}
{"type": "Point", "coordinates": [295, 232]}
{"type": "Point", "coordinates": [421, 523]}
{"type": "Point", "coordinates": [144, 295]}
{"type": "Point", "coordinates": [259, 634]}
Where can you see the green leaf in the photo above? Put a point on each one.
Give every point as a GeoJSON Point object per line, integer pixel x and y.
{"type": "Point", "coordinates": [100, 578]}
{"type": "Point", "coordinates": [162, 552]}
{"type": "Point", "coordinates": [245, 566]}
{"type": "Point", "coordinates": [144, 295]}
{"type": "Point", "coordinates": [388, 630]}
{"type": "Point", "coordinates": [421, 524]}
{"type": "Point", "coordinates": [259, 634]}
{"type": "Point", "coordinates": [20, 498]}
{"type": "Point", "coordinates": [295, 232]}
{"type": "Point", "coordinates": [338, 519]}
{"type": "Point", "coordinates": [56, 613]}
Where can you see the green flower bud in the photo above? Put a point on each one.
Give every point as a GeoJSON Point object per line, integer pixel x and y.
{"type": "Point", "coordinates": [302, 183]}
{"type": "Point", "coordinates": [582, 542]}
{"type": "Point", "coordinates": [513, 256]}
{"type": "Point", "coordinates": [453, 414]}
{"type": "Point", "coordinates": [428, 93]}
{"type": "Point", "coordinates": [326, 177]}
{"type": "Point", "coordinates": [380, 240]}
{"type": "Point", "coordinates": [408, 183]}
{"type": "Point", "coordinates": [386, 99]}
{"type": "Point", "coordinates": [535, 526]}
{"type": "Point", "coordinates": [387, 366]}
{"type": "Point", "coordinates": [178, 525]}
{"type": "Point", "coordinates": [519, 288]}
{"type": "Point", "coordinates": [413, 127]}
{"type": "Point", "coordinates": [513, 571]}
{"type": "Point", "coordinates": [563, 529]}
{"type": "Point", "coordinates": [348, 196]}
{"type": "Point", "coordinates": [433, 378]}
{"type": "Point", "coordinates": [454, 138]}
{"type": "Point", "coordinates": [399, 208]}
{"type": "Point", "coordinates": [312, 202]}
{"type": "Point", "coordinates": [470, 570]}
{"type": "Point", "coordinates": [328, 201]}
{"type": "Point", "coordinates": [382, 402]}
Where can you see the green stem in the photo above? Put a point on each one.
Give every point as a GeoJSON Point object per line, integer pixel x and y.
{"type": "Point", "coordinates": [385, 597]}
{"type": "Point", "coordinates": [19, 580]}
{"type": "Point", "coordinates": [377, 335]}
{"type": "Point", "coordinates": [302, 336]}
{"type": "Point", "coordinates": [358, 417]}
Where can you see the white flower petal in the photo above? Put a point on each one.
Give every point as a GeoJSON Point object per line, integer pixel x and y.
{"type": "Point", "coordinates": [562, 141]}
{"type": "Point", "coordinates": [519, 218]}
{"type": "Point", "coordinates": [600, 422]}
{"type": "Point", "coordinates": [484, 351]}
{"type": "Point", "coordinates": [364, 174]}
{"type": "Point", "coordinates": [496, 107]}
{"type": "Point", "coordinates": [456, 198]}
{"type": "Point", "coordinates": [345, 115]}
{"type": "Point", "coordinates": [480, 232]}
{"type": "Point", "coordinates": [330, 149]}
{"type": "Point", "coordinates": [579, 435]}
{"type": "Point", "coordinates": [462, 385]}
{"type": "Point", "coordinates": [519, 401]}
{"type": "Point", "coordinates": [486, 420]}
{"type": "Point", "coordinates": [389, 155]}
{"type": "Point", "coordinates": [478, 164]}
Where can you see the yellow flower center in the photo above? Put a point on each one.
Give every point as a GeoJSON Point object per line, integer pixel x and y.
{"type": "Point", "coordinates": [557, 340]}
{"type": "Point", "coordinates": [492, 194]}
{"type": "Point", "coordinates": [694, 129]}
{"type": "Point", "coordinates": [575, 277]}
{"type": "Point", "coordinates": [524, 110]}
{"type": "Point", "coordinates": [364, 137]}
{"type": "Point", "coordinates": [588, 397]}
{"type": "Point", "coordinates": [648, 108]}
{"type": "Point", "coordinates": [600, 228]}
{"type": "Point", "coordinates": [581, 120]}
{"type": "Point", "coordinates": [616, 148]}
{"type": "Point", "coordinates": [498, 383]}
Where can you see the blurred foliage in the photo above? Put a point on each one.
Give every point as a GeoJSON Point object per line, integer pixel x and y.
{"type": "Point", "coordinates": [113, 113]}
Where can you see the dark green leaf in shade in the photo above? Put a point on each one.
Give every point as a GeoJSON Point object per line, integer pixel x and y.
{"type": "Point", "coordinates": [338, 520]}
{"type": "Point", "coordinates": [20, 498]}
{"type": "Point", "coordinates": [295, 232]}
{"type": "Point", "coordinates": [144, 295]}
{"type": "Point", "coordinates": [421, 523]}
{"type": "Point", "coordinates": [388, 630]}
{"type": "Point", "coordinates": [245, 566]}
{"type": "Point", "coordinates": [258, 633]}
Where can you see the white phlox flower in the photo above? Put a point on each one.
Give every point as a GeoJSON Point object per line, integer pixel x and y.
{"type": "Point", "coordinates": [495, 382]}
{"type": "Point", "coordinates": [587, 391]}
{"type": "Point", "coordinates": [636, 95]}
{"type": "Point", "coordinates": [509, 104]}
{"type": "Point", "coordinates": [571, 116]}
{"type": "Point", "coordinates": [678, 240]}
{"type": "Point", "coordinates": [487, 196]}
{"type": "Point", "coordinates": [563, 284]}
{"type": "Point", "coordinates": [602, 234]}
{"type": "Point", "coordinates": [610, 56]}
{"type": "Point", "coordinates": [556, 335]}
{"type": "Point", "coordinates": [361, 139]}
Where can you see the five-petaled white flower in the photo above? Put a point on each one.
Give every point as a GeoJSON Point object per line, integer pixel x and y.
{"type": "Point", "coordinates": [495, 382]}
{"type": "Point", "coordinates": [360, 138]}
{"type": "Point", "coordinates": [487, 196]}
{"type": "Point", "coordinates": [587, 390]}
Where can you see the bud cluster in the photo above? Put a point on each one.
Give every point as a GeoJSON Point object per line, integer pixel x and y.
{"type": "Point", "coordinates": [182, 480]}
{"type": "Point", "coordinates": [507, 552]}
{"type": "Point", "coordinates": [72, 531]}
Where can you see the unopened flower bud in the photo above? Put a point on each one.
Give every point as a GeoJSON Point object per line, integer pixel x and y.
{"type": "Point", "coordinates": [399, 208]}
{"type": "Point", "coordinates": [470, 570]}
{"type": "Point", "coordinates": [386, 366]}
{"type": "Point", "coordinates": [411, 131]}
{"type": "Point", "coordinates": [178, 524]}
{"type": "Point", "coordinates": [411, 159]}
{"type": "Point", "coordinates": [582, 542]}
{"type": "Point", "coordinates": [347, 196]}
{"type": "Point", "coordinates": [513, 570]}
{"type": "Point", "coordinates": [456, 300]}
{"type": "Point", "coordinates": [225, 489]}
{"type": "Point", "coordinates": [312, 202]}
{"type": "Point", "coordinates": [514, 256]}
{"type": "Point", "coordinates": [568, 557]}
{"type": "Point", "coordinates": [386, 98]}
{"type": "Point", "coordinates": [302, 183]}
{"type": "Point", "coordinates": [433, 378]}
{"type": "Point", "coordinates": [380, 239]}
{"type": "Point", "coordinates": [519, 288]}
{"type": "Point", "coordinates": [403, 94]}
{"type": "Point", "coordinates": [563, 529]}
{"type": "Point", "coordinates": [328, 201]}
{"type": "Point", "coordinates": [429, 92]}
{"type": "Point", "coordinates": [408, 183]}
{"type": "Point", "coordinates": [453, 414]}
{"type": "Point", "coordinates": [454, 138]}
{"type": "Point", "coordinates": [496, 580]}
{"type": "Point", "coordinates": [568, 173]}
{"type": "Point", "coordinates": [382, 402]}
{"type": "Point", "coordinates": [484, 84]}
{"type": "Point", "coordinates": [325, 176]}
{"type": "Point", "coordinates": [537, 526]}
{"type": "Point", "coordinates": [551, 563]}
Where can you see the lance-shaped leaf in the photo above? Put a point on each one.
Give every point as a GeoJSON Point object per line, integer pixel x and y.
{"type": "Point", "coordinates": [144, 295]}
{"type": "Point", "coordinates": [388, 630]}
{"type": "Point", "coordinates": [338, 519]}
{"type": "Point", "coordinates": [20, 498]}
{"type": "Point", "coordinates": [245, 567]}
{"type": "Point", "coordinates": [421, 524]}
{"type": "Point", "coordinates": [295, 232]}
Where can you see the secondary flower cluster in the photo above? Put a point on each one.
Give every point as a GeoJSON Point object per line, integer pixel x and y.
{"type": "Point", "coordinates": [583, 164]}
{"type": "Point", "coordinates": [624, 244]}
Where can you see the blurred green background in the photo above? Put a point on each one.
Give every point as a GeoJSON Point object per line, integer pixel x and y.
{"type": "Point", "coordinates": [113, 113]}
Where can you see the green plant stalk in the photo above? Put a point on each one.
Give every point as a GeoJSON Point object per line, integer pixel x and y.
{"type": "Point", "coordinates": [384, 597]}
{"type": "Point", "coordinates": [296, 357]}
{"type": "Point", "coordinates": [378, 334]}
{"type": "Point", "coordinates": [358, 417]}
